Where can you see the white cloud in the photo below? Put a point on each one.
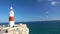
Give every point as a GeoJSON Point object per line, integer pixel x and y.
{"type": "Point", "coordinates": [54, 2]}
{"type": "Point", "coordinates": [47, 16]}
{"type": "Point", "coordinates": [46, 12]}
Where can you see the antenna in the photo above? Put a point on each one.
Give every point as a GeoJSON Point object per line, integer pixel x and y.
{"type": "Point", "coordinates": [11, 2]}
{"type": "Point", "coordinates": [11, 5]}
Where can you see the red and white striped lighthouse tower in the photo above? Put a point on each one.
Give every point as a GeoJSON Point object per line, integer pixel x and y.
{"type": "Point", "coordinates": [11, 17]}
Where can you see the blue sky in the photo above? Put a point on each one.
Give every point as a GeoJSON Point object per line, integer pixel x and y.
{"type": "Point", "coordinates": [30, 10]}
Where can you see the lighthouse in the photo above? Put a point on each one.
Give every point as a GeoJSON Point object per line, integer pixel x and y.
{"type": "Point", "coordinates": [14, 28]}
{"type": "Point", "coordinates": [11, 17]}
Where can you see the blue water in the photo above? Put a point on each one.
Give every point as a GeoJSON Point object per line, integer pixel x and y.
{"type": "Point", "coordinates": [42, 27]}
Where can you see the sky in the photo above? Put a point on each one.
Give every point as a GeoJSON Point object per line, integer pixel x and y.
{"type": "Point", "coordinates": [30, 10]}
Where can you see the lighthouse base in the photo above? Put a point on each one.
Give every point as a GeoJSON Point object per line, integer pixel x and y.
{"type": "Point", "coordinates": [11, 23]}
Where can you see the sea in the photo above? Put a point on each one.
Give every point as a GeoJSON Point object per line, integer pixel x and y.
{"type": "Point", "coordinates": [42, 27]}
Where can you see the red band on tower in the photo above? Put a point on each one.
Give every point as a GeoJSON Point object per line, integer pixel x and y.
{"type": "Point", "coordinates": [11, 18]}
